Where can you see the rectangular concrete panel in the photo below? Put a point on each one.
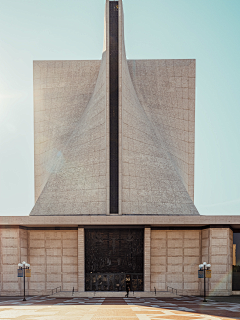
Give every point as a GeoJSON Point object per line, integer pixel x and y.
{"type": "Point", "coordinates": [217, 250]}
{"type": "Point", "coordinates": [174, 262]}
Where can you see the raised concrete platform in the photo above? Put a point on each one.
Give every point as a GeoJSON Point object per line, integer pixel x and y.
{"type": "Point", "coordinates": [113, 294]}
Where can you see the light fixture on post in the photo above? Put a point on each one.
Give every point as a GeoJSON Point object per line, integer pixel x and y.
{"type": "Point", "coordinates": [203, 269]}
{"type": "Point", "coordinates": [24, 271]}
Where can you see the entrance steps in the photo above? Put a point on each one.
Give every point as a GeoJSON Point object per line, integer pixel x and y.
{"type": "Point", "coordinates": [113, 294]}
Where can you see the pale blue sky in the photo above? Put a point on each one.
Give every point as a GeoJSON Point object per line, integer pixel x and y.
{"type": "Point", "coordinates": [205, 30]}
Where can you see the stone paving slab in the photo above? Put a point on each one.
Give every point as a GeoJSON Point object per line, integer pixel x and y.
{"type": "Point", "coordinates": [181, 308]}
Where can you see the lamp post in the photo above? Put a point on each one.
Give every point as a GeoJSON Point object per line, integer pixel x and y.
{"type": "Point", "coordinates": [23, 266]}
{"type": "Point", "coordinates": [203, 267]}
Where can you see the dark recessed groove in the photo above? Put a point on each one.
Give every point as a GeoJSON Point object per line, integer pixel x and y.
{"type": "Point", "coordinates": [113, 108]}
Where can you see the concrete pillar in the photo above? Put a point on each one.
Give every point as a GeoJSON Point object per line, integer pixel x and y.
{"type": "Point", "coordinates": [81, 260]}
{"type": "Point", "coordinates": [147, 259]}
{"type": "Point", "coordinates": [217, 244]}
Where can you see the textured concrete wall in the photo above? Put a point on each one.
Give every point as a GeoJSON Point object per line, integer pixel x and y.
{"type": "Point", "coordinates": [53, 256]}
{"type": "Point", "coordinates": [166, 91]}
{"type": "Point", "coordinates": [62, 90]}
{"type": "Point", "coordinates": [156, 135]}
{"type": "Point", "coordinates": [10, 257]}
{"type": "Point", "coordinates": [151, 180]}
{"type": "Point", "coordinates": [171, 258]}
{"type": "Point", "coordinates": [77, 184]}
{"type": "Point", "coordinates": [175, 256]}
{"type": "Point", "coordinates": [217, 250]}
{"type": "Point", "coordinates": [13, 250]}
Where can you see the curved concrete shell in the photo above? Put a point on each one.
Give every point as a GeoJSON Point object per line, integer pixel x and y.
{"type": "Point", "coordinates": [155, 134]}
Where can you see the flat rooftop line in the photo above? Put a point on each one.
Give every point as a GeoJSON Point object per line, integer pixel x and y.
{"type": "Point", "coordinates": [121, 220]}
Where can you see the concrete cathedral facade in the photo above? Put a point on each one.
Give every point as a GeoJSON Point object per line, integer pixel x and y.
{"type": "Point", "coordinates": [114, 181]}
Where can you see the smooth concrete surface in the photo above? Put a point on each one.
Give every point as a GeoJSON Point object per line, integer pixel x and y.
{"type": "Point", "coordinates": [127, 220]}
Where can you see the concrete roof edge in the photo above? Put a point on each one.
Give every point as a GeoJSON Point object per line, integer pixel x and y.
{"type": "Point", "coordinates": [155, 221]}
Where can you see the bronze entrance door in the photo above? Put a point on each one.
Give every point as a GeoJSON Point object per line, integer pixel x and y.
{"type": "Point", "coordinates": [105, 282]}
{"type": "Point", "coordinates": [112, 258]}
{"type": "Point", "coordinates": [114, 281]}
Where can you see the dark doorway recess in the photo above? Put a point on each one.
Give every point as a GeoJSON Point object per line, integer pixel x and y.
{"type": "Point", "coordinates": [236, 262]}
{"type": "Point", "coordinates": [113, 108]}
{"type": "Point", "coordinates": [114, 281]}
{"type": "Point", "coordinates": [112, 258]}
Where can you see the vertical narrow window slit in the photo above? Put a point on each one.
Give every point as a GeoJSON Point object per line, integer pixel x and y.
{"type": "Point", "coordinates": [113, 109]}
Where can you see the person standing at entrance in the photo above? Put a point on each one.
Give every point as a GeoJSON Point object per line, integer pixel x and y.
{"type": "Point", "coordinates": [127, 289]}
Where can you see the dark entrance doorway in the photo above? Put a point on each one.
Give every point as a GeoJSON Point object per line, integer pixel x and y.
{"type": "Point", "coordinates": [236, 261]}
{"type": "Point", "coordinates": [114, 257]}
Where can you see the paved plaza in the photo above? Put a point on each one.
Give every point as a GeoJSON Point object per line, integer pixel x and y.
{"type": "Point", "coordinates": [181, 308]}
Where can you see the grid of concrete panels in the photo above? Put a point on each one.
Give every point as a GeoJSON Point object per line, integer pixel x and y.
{"type": "Point", "coordinates": [151, 181]}
{"type": "Point", "coordinates": [62, 89]}
{"type": "Point", "coordinates": [175, 256]}
{"type": "Point", "coordinates": [13, 249]}
{"type": "Point", "coordinates": [154, 146]}
{"type": "Point", "coordinates": [171, 258]}
{"type": "Point", "coordinates": [156, 135]}
{"type": "Point", "coordinates": [217, 246]}
{"type": "Point", "coordinates": [53, 256]}
{"type": "Point", "coordinates": [167, 95]}
{"type": "Point", "coordinates": [77, 181]}
{"type": "Point", "coordinates": [9, 256]}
